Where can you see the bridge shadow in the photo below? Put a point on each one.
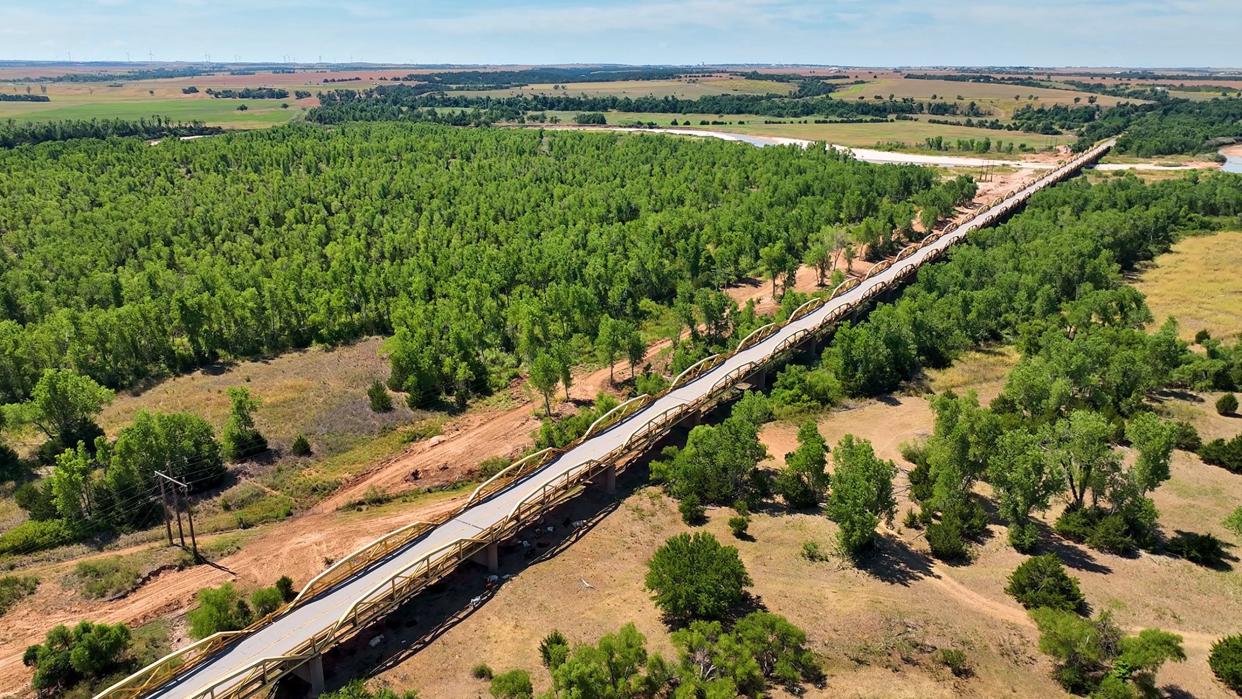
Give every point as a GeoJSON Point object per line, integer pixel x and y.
{"type": "Point", "coordinates": [442, 606]}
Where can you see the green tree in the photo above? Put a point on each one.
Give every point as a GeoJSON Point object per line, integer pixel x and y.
{"type": "Point", "coordinates": [610, 343]}
{"type": "Point", "coordinates": [67, 656]}
{"type": "Point", "coordinates": [1084, 455]}
{"type": "Point", "coordinates": [694, 576]}
{"type": "Point", "coordinates": [1041, 581]}
{"type": "Point", "coordinates": [1154, 439]}
{"type": "Point", "coordinates": [776, 261]}
{"type": "Point", "coordinates": [804, 481]}
{"type": "Point", "coordinates": [617, 666]}
{"type": "Point", "coordinates": [1227, 404]}
{"type": "Point", "coordinates": [514, 684]}
{"type": "Point", "coordinates": [553, 649]}
{"type": "Point", "coordinates": [717, 465]}
{"type": "Point", "coordinates": [73, 483]}
{"type": "Point", "coordinates": [378, 397]}
{"type": "Point", "coordinates": [861, 494]}
{"type": "Point", "coordinates": [240, 437]}
{"type": "Point", "coordinates": [219, 609]}
{"type": "Point", "coordinates": [357, 689]}
{"type": "Point", "coordinates": [64, 405]}
{"type": "Point", "coordinates": [1225, 661]}
{"type": "Point", "coordinates": [266, 600]}
{"type": "Point", "coordinates": [544, 374]}
{"type": "Point", "coordinates": [1024, 479]}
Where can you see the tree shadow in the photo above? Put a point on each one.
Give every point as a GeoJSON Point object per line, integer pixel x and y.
{"type": "Point", "coordinates": [891, 560]}
{"type": "Point", "coordinates": [1173, 691]}
{"type": "Point", "coordinates": [1167, 394]}
{"type": "Point", "coordinates": [1202, 550]}
{"type": "Point", "coordinates": [1071, 554]}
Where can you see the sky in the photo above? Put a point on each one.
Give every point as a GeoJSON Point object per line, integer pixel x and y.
{"type": "Point", "coordinates": [1133, 33]}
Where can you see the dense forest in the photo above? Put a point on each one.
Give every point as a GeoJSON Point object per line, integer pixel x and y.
{"type": "Point", "coordinates": [14, 133]}
{"type": "Point", "coordinates": [396, 101]}
{"type": "Point", "coordinates": [1166, 127]}
{"type": "Point", "coordinates": [124, 261]}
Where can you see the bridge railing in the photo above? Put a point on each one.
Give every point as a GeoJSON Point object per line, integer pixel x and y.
{"type": "Point", "coordinates": [432, 567]}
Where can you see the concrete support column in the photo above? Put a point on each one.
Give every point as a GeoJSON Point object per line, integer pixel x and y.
{"type": "Point", "coordinates": [609, 479]}
{"type": "Point", "coordinates": [489, 557]}
{"type": "Point", "coordinates": [759, 379]}
{"type": "Point", "coordinates": [312, 673]}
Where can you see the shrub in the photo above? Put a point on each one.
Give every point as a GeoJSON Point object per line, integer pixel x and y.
{"type": "Point", "coordinates": [239, 437]}
{"type": "Point", "coordinates": [955, 660]}
{"type": "Point", "coordinates": [514, 684]}
{"type": "Point", "coordinates": [266, 600]}
{"type": "Point", "coordinates": [106, 577]}
{"type": "Point", "coordinates": [694, 576]}
{"type": "Point", "coordinates": [1041, 581]}
{"type": "Point", "coordinates": [285, 586]}
{"type": "Point", "coordinates": [357, 689]}
{"type": "Point", "coordinates": [378, 396]}
{"type": "Point", "coordinates": [753, 407]}
{"type": "Point", "coordinates": [67, 656]}
{"type": "Point", "coordinates": [301, 446]}
{"type": "Point", "coordinates": [1188, 437]}
{"type": "Point", "coordinates": [692, 512]}
{"type": "Point", "coordinates": [219, 609]}
{"type": "Point", "coordinates": [35, 535]}
{"type": "Point", "coordinates": [738, 525]}
{"type": "Point", "coordinates": [1227, 404]}
{"type": "Point", "coordinates": [492, 466]}
{"type": "Point", "coordinates": [812, 552]}
{"type": "Point", "coordinates": [481, 671]}
{"type": "Point", "coordinates": [1234, 521]}
{"type": "Point", "coordinates": [1226, 661]}
{"type": "Point", "coordinates": [553, 649]}
{"type": "Point", "coordinates": [1112, 535]}
{"type": "Point", "coordinates": [1227, 455]}
{"type": "Point", "coordinates": [1200, 549]}
{"type": "Point", "coordinates": [1202, 336]}
{"type": "Point", "coordinates": [15, 587]}
{"type": "Point", "coordinates": [946, 540]}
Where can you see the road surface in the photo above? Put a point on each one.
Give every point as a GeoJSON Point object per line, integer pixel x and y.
{"type": "Point", "coordinates": [291, 630]}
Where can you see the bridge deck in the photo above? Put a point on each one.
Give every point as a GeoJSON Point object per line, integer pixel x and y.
{"type": "Point", "coordinates": [289, 631]}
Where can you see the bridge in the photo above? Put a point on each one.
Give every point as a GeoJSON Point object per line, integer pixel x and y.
{"type": "Point", "coordinates": [373, 581]}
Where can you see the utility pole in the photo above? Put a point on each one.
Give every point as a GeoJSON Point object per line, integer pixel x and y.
{"type": "Point", "coordinates": [181, 499]}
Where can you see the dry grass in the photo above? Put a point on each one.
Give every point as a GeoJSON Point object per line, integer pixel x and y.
{"type": "Point", "coordinates": [317, 392]}
{"type": "Point", "coordinates": [982, 371]}
{"type": "Point", "coordinates": [876, 629]}
{"type": "Point", "coordinates": [685, 88]}
{"type": "Point", "coordinates": [1198, 284]}
{"type": "Point", "coordinates": [996, 97]}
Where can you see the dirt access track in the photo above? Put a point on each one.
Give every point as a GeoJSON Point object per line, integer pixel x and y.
{"type": "Point", "coordinates": [308, 542]}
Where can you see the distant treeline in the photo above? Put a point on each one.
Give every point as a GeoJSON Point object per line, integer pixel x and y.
{"type": "Point", "coordinates": [976, 78]}
{"type": "Point", "coordinates": [24, 98]}
{"type": "Point", "coordinates": [395, 101]}
{"type": "Point", "coordinates": [512, 78]}
{"type": "Point", "coordinates": [251, 93]}
{"type": "Point", "coordinates": [146, 74]}
{"type": "Point", "coordinates": [1169, 127]}
{"type": "Point", "coordinates": [13, 133]}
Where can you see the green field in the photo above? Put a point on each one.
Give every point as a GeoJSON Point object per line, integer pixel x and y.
{"type": "Point", "coordinates": [220, 112]}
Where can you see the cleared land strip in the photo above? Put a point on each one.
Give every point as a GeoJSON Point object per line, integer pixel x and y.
{"type": "Point", "coordinates": [367, 585]}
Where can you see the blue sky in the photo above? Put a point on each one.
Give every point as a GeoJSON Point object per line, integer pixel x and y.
{"type": "Point", "coordinates": [853, 32]}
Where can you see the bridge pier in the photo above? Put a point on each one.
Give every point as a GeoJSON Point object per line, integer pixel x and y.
{"type": "Point", "coordinates": [489, 557]}
{"type": "Point", "coordinates": [608, 479]}
{"type": "Point", "coordinates": [312, 672]}
{"type": "Point", "coordinates": [759, 379]}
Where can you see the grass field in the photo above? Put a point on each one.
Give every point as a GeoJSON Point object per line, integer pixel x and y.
{"type": "Point", "coordinates": [217, 112]}
{"type": "Point", "coordinates": [1000, 99]}
{"type": "Point", "coordinates": [1198, 284]}
{"type": "Point", "coordinates": [686, 88]}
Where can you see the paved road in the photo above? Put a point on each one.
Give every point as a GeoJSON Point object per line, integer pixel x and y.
{"type": "Point", "coordinates": [289, 631]}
